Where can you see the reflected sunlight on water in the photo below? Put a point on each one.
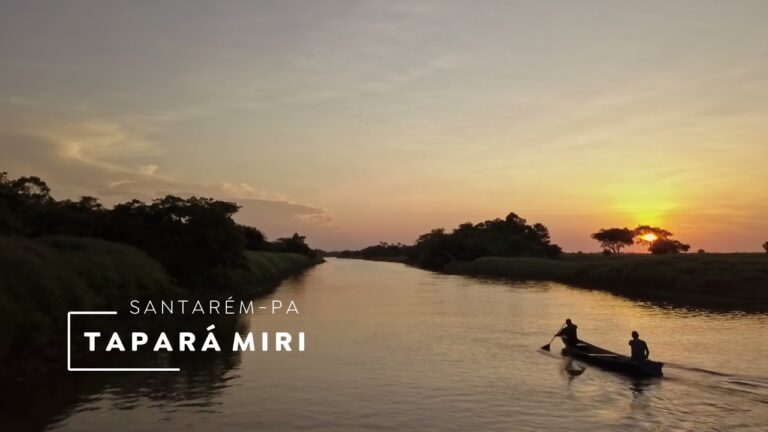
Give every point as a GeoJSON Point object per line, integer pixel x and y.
{"type": "Point", "coordinates": [395, 348]}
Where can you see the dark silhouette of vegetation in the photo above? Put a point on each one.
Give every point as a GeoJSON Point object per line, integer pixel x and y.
{"type": "Point", "coordinates": [658, 240]}
{"type": "Point", "coordinates": [294, 244]}
{"type": "Point", "coordinates": [381, 252]}
{"type": "Point", "coordinates": [668, 246]}
{"type": "Point", "coordinates": [195, 239]}
{"type": "Point", "coordinates": [254, 238]}
{"type": "Point", "coordinates": [384, 250]}
{"type": "Point", "coordinates": [765, 246]}
{"type": "Point", "coordinates": [614, 239]}
{"type": "Point", "coordinates": [63, 255]}
{"type": "Point", "coordinates": [62, 274]}
{"type": "Point", "coordinates": [511, 236]}
{"type": "Point", "coordinates": [643, 231]}
{"type": "Point", "coordinates": [712, 280]}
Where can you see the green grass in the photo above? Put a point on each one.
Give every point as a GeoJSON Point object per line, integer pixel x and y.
{"type": "Point", "coordinates": [711, 280]}
{"type": "Point", "coordinates": [40, 280]}
{"type": "Point", "coordinates": [267, 268]}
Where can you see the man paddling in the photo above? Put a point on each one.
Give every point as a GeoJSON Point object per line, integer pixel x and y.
{"type": "Point", "coordinates": [569, 333]}
{"type": "Point", "coordinates": [639, 347]}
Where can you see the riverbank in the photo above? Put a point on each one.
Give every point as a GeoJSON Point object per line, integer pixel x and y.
{"type": "Point", "coordinates": [42, 279]}
{"type": "Point", "coordinates": [718, 281]}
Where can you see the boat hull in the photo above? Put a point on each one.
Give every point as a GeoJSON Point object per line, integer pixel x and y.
{"type": "Point", "coordinates": [608, 360]}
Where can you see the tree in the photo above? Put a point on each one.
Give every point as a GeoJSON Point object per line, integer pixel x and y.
{"type": "Point", "coordinates": [22, 202]}
{"type": "Point", "coordinates": [765, 246]}
{"type": "Point", "coordinates": [646, 234]}
{"type": "Point", "coordinates": [511, 236]}
{"type": "Point", "coordinates": [294, 244]}
{"type": "Point", "coordinates": [614, 239]}
{"type": "Point", "coordinates": [254, 238]}
{"type": "Point", "coordinates": [664, 246]}
{"type": "Point", "coordinates": [194, 238]}
{"type": "Point", "coordinates": [85, 217]}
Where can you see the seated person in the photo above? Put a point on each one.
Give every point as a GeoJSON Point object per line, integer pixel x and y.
{"type": "Point", "coordinates": [639, 348]}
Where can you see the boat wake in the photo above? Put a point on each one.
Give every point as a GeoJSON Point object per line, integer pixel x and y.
{"type": "Point", "coordinates": [754, 388]}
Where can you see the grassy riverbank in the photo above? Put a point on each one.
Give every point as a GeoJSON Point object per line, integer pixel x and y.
{"type": "Point", "coordinates": [731, 281]}
{"type": "Point", "coordinates": [42, 279]}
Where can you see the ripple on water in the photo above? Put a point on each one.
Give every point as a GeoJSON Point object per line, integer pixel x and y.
{"type": "Point", "coordinates": [396, 348]}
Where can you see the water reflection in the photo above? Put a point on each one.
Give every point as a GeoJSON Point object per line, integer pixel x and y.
{"type": "Point", "coordinates": [48, 400]}
{"type": "Point", "coordinates": [395, 348]}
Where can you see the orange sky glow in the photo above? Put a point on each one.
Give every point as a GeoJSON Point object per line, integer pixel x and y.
{"type": "Point", "coordinates": [360, 122]}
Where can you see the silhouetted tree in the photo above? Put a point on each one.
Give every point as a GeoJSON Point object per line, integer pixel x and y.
{"type": "Point", "coordinates": [384, 250]}
{"type": "Point", "coordinates": [614, 239]}
{"type": "Point", "coordinates": [765, 246]}
{"type": "Point", "coordinates": [511, 236]}
{"type": "Point", "coordinates": [26, 190]}
{"type": "Point", "coordinates": [294, 244]}
{"type": "Point", "coordinates": [85, 217]}
{"type": "Point", "coordinates": [22, 201]}
{"type": "Point", "coordinates": [195, 239]}
{"type": "Point", "coordinates": [661, 243]}
{"type": "Point", "coordinates": [643, 230]}
{"type": "Point", "coordinates": [663, 246]}
{"type": "Point", "coordinates": [254, 238]}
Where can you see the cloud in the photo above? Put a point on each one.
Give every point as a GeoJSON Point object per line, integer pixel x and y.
{"type": "Point", "coordinates": [282, 218]}
{"type": "Point", "coordinates": [73, 167]}
{"type": "Point", "coordinates": [245, 190]}
{"type": "Point", "coordinates": [148, 170]}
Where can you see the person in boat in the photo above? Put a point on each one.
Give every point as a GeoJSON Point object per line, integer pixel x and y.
{"type": "Point", "coordinates": [568, 333]}
{"type": "Point", "coordinates": [639, 347]}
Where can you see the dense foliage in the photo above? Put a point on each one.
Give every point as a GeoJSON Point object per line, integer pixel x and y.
{"type": "Point", "coordinates": [668, 246]}
{"type": "Point", "coordinates": [195, 239]}
{"type": "Point", "coordinates": [511, 236]}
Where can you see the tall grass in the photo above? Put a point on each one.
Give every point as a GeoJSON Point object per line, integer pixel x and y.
{"type": "Point", "coordinates": [263, 270]}
{"type": "Point", "coordinates": [715, 280]}
{"type": "Point", "coordinates": [40, 280]}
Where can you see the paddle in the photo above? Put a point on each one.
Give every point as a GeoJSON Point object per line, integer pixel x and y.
{"type": "Point", "coordinates": [546, 347]}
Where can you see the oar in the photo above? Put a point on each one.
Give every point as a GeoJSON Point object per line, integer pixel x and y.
{"type": "Point", "coordinates": [546, 347]}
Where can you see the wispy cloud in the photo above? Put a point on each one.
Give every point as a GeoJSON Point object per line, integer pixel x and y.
{"type": "Point", "coordinates": [87, 160]}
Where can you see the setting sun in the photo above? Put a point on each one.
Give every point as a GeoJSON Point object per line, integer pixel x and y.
{"type": "Point", "coordinates": [649, 237]}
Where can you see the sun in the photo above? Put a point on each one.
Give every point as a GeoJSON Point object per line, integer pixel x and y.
{"type": "Point", "coordinates": [650, 238]}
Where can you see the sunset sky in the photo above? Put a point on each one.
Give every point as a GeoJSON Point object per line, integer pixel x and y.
{"type": "Point", "coordinates": [355, 122]}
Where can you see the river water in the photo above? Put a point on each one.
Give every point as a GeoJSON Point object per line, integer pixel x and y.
{"type": "Point", "coordinates": [389, 347]}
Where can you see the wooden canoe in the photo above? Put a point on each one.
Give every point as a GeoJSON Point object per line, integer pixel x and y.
{"type": "Point", "coordinates": [609, 360]}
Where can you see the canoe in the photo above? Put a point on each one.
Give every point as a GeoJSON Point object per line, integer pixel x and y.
{"type": "Point", "coordinates": [608, 360]}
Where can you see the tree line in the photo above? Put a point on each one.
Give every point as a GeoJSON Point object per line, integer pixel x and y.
{"type": "Point", "coordinates": [195, 239]}
{"type": "Point", "coordinates": [658, 240]}
{"type": "Point", "coordinates": [508, 237]}
{"type": "Point", "coordinates": [511, 236]}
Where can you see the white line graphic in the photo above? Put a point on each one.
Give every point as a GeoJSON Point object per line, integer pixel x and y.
{"type": "Point", "coordinates": [69, 349]}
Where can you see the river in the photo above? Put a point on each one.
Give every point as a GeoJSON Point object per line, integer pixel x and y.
{"type": "Point", "coordinates": [389, 347]}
